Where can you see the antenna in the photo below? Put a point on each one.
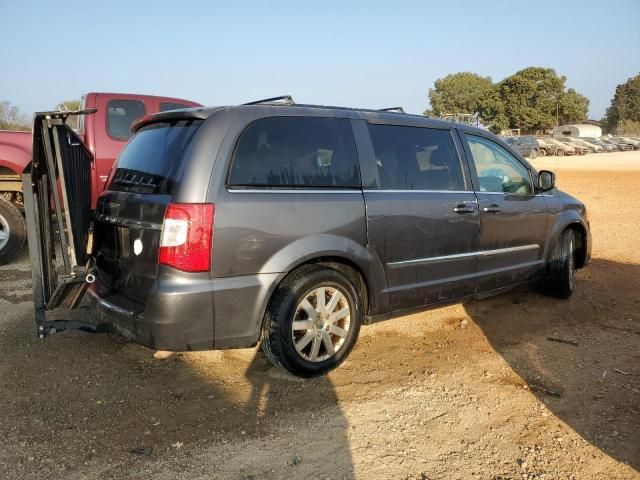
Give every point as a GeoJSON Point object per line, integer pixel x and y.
{"type": "Point", "coordinates": [285, 99]}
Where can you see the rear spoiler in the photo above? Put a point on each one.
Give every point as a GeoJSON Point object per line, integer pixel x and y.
{"type": "Point", "coordinates": [196, 113]}
{"type": "Point", "coordinates": [57, 197]}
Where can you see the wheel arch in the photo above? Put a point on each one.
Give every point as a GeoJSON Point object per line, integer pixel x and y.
{"type": "Point", "coordinates": [583, 246]}
{"type": "Point", "coordinates": [581, 243]}
{"type": "Point", "coordinates": [367, 275]}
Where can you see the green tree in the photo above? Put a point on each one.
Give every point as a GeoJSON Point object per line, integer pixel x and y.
{"type": "Point", "coordinates": [70, 105]}
{"type": "Point", "coordinates": [625, 104]}
{"type": "Point", "coordinates": [573, 107]}
{"type": "Point", "coordinates": [458, 93]}
{"type": "Point", "coordinates": [530, 98]}
{"type": "Point", "coordinates": [11, 118]}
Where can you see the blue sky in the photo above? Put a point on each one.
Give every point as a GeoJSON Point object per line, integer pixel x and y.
{"type": "Point", "coordinates": [362, 54]}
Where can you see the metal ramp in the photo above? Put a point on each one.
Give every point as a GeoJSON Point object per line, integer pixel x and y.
{"type": "Point", "coordinates": [57, 188]}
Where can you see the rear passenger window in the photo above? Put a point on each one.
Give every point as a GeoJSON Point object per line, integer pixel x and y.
{"type": "Point", "coordinates": [120, 115]}
{"type": "Point", "coordinates": [166, 106]}
{"type": "Point", "coordinates": [296, 152]}
{"type": "Point", "coordinates": [416, 158]}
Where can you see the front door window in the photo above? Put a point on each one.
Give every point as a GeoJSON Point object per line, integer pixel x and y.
{"type": "Point", "coordinates": [497, 169]}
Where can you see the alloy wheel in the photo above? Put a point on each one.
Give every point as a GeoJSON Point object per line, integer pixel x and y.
{"type": "Point", "coordinates": [321, 323]}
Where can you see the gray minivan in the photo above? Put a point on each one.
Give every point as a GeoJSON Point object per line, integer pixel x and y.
{"type": "Point", "coordinates": [293, 225]}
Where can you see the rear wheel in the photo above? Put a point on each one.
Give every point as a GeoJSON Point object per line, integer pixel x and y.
{"type": "Point", "coordinates": [13, 231]}
{"type": "Point", "coordinates": [543, 152]}
{"type": "Point", "coordinates": [534, 154]}
{"type": "Point", "coordinates": [560, 153]}
{"type": "Point", "coordinates": [312, 322]}
{"type": "Point", "coordinates": [560, 276]}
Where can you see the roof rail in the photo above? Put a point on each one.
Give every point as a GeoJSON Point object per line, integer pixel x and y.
{"type": "Point", "coordinates": [286, 99]}
{"type": "Point", "coordinates": [392, 109]}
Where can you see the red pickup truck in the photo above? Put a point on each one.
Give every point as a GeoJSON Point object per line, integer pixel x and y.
{"type": "Point", "coordinates": [104, 133]}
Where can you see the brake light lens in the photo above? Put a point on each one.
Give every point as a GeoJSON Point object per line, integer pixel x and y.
{"type": "Point", "coordinates": [186, 242]}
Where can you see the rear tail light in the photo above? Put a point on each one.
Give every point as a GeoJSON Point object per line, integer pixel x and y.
{"type": "Point", "coordinates": [186, 242]}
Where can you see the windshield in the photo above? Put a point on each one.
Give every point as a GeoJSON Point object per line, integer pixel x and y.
{"type": "Point", "coordinates": [152, 161]}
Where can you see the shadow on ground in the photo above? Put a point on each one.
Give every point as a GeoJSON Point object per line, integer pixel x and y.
{"type": "Point", "coordinates": [93, 406]}
{"type": "Point", "coordinates": [580, 356]}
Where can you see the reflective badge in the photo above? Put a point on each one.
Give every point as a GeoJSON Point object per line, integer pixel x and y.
{"type": "Point", "coordinates": [137, 246]}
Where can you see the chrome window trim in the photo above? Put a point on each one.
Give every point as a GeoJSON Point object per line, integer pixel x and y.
{"type": "Point", "coordinates": [380, 190]}
{"type": "Point", "coordinates": [513, 193]}
{"type": "Point", "coordinates": [292, 190]}
{"type": "Point", "coordinates": [459, 256]}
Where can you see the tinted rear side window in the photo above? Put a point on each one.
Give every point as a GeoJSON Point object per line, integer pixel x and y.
{"type": "Point", "coordinates": [152, 162]}
{"type": "Point", "coordinates": [416, 158]}
{"type": "Point", "coordinates": [166, 106]}
{"type": "Point", "coordinates": [296, 152]}
{"type": "Point", "coordinates": [120, 115]}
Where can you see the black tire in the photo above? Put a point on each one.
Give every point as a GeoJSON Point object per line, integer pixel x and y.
{"type": "Point", "coordinates": [543, 152]}
{"type": "Point", "coordinates": [533, 154]}
{"type": "Point", "coordinates": [278, 334]}
{"type": "Point", "coordinates": [560, 153]}
{"type": "Point", "coordinates": [13, 231]}
{"type": "Point", "coordinates": [560, 276]}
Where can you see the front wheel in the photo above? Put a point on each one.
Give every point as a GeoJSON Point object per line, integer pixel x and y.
{"type": "Point", "coordinates": [312, 322]}
{"type": "Point", "coordinates": [560, 276]}
{"type": "Point", "coordinates": [560, 153]}
{"type": "Point", "coordinates": [13, 231]}
{"type": "Point", "coordinates": [534, 154]}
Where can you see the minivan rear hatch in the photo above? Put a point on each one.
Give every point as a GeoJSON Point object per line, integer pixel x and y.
{"type": "Point", "coordinates": [130, 212]}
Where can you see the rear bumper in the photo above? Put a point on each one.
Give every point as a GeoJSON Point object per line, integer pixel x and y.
{"type": "Point", "coordinates": [205, 315]}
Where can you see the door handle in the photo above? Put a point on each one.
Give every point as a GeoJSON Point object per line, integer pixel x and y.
{"type": "Point", "coordinates": [492, 209]}
{"type": "Point", "coordinates": [462, 208]}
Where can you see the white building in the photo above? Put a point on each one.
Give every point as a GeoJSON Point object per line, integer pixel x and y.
{"type": "Point", "coordinates": [578, 130]}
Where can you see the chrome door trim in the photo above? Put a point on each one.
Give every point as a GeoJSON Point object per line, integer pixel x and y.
{"type": "Point", "coordinates": [463, 277]}
{"type": "Point", "coordinates": [498, 251]}
{"type": "Point", "coordinates": [459, 256]}
{"type": "Point", "coordinates": [420, 261]}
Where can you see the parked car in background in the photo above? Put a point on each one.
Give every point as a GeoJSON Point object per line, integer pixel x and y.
{"type": "Point", "coordinates": [607, 147]}
{"type": "Point", "coordinates": [620, 146]}
{"type": "Point", "coordinates": [105, 133]}
{"type": "Point", "coordinates": [526, 146]}
{"type": "Point", "coordinates": [562, 148]}
{"type": "Point", "coordinates": [581, 148]}
{"type": "Point", "coordinates": [593, 147]}
{"type": "Point", "coordinates": [546, 148]}
{"type": "Point", "coordinates": [192, 252]}
{"type": "Point", "coordinates": [635, 144]}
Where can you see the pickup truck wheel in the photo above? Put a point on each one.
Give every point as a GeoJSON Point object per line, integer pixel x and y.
{"type": "Point", "coordinates": [312, 322]}
{"type": "Point", "coordinates": [560, 276]}
{"type": "Point", "coordinates": [13, 231]}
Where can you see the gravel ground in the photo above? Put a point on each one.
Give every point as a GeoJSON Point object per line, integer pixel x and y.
{"type": "Point", "coordinates": [512, 387]}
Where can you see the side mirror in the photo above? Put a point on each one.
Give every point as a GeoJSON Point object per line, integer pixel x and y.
{"type": "Point", "coordinates": [546, 180]}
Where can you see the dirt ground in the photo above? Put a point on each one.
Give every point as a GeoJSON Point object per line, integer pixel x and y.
{"type": "Point", "coordinates": [476, 391]}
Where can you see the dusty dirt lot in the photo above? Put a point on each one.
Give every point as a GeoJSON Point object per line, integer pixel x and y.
{"type": "Point", "coordinates": [469, 391]}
